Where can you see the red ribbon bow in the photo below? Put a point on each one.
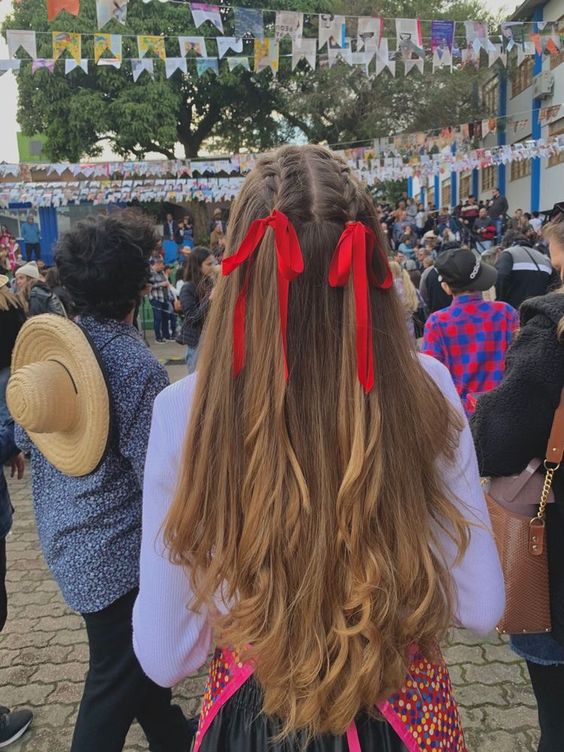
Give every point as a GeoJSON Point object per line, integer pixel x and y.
{"type": "Point", "coordinates": [354, 252]}
{"type": "Point", "coordinates": [290, 265]}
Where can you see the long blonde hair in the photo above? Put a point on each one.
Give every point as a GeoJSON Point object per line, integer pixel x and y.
{"type": "Point", "coordinates": [313, 508]}
{"type": "Point", "coordinates": [8, 299]}
{"type": "Point", "coordinates": [410, 300]}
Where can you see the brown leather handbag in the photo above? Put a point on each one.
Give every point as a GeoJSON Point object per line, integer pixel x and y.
{"type": "Point", "coordinates": [517, 507]}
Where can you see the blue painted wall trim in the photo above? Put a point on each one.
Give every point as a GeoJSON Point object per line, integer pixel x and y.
{"type": "Point", "coordinates": [502, 132]}
{"type": "Point", "coordinates": [535, 123]}
{"type": "Point", "coordinates": [437, 186]}
{"type": "Point", "coordinates": [410, 187]}
{"type": "Point", "coordinates": [475, 183]}
{"type": "Point", "coordinates": [453, 183]}
{"type": "Point", "coordinates": [422, 195]}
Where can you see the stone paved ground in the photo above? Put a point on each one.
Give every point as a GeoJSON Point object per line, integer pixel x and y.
{"type": "Point", "coordinates": [43, 657]}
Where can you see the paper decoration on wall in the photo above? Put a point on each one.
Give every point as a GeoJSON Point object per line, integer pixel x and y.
{"type": "Point", "coordinates": [204, 64]}
{"type": "Point", "coordinates": [66, 41]}
{"type": "Point", "coordinates": [234, 62]}
{"type": "Point", "coordinates": [383, 59]}
{"type": "Point", "coordinates": [202, 12]}
{"type": "Point", "coordinates": [476, 34]}
{"type": "Point", "coordinates": [13, 65]}
{"type": "Point", "coordinates": [140, 65]}
{"type": "Point", "coordinates": [54, 7]}
{"type": "Point", "coordinates": [305, 49]}
{"type": "Point", "coordinates": [71, 65]}
{"type": "Point", "coordinates": [42, 64]}
{"type": "Point", "coordinates": [332, 30]}
{"type": "Point", "coordinates": [155, 44]}
{"type": "Point", "coordinates": [110, 43]}
{"type": "Point", "coordinates": [369, 32]}
{"type": "Point", "coordinates": [108, 9]}
{"type": "Point", "coordinates": [224, 44]}
{"type": "Point", "coordinates": [192, 45]}
{"type": "Point", "coordinates": [172, 64]}
{"type": "Point", "coordinates": [551, 114]}
{"type": "Point", "coordinates": [512, 34]}
{"type": "Point", "coordinates": [267, 55]}
{"type": "Point", "coordinates": [337, 54]}
{"type": "Point", "coordinates": [289, 23]}
{"type": "Point", "coordinates": [409, 39]}
{"type": "Point", "coordinates": [248, 21]}
{"type": "Point", "coordinates": [24, 39]}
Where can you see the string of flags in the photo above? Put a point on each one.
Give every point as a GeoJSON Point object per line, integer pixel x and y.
{"type": "Point", "coordinates": [178, 184]}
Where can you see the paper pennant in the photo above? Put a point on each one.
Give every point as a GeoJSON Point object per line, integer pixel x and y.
{"type": "Point", "coordinates": [361, 59]}
{"type": "Point", "coordinates": [24, 39]}
{"type": "Point", "coordinates": [108, 9]}
{"type": "Point", "coordinates": [442, 59]}
{"type": "Point", "coordinates": [111, 62]}
{"type": "Point", "coordinates": [512, 34]}
{"type": "Point", "coordinates": [172, 64]}
{"type": "Point", "coordinates": [369, 32]}
{"type": "Point", "coordinates": [495, 53]}
{"type": "Point", "coordinates": [71, 65]}
{"type": "Point", "coordinates": [305, 49]}
{"type": "Point", "coordinates": [383, 60]}
{"type": "Point", "coordinates": [248, 21]}
{"type": "Point", "coordinates": [193, 45]}
{"type": "Point", "coordinates": [476, 34]}
{"type": "Point", "coordinates": [66, 41]}
{"type": "Point", "coordinates": [266, 55]}
{"type": "Point", "coordinates": [409, 39]}
{"type": "Point", "coordinates": [224, 44]}
{"type": "Point", "coordinates": [331, 30]}
{"type": "Point", "coordinates": [155, 44]}
{"type": "Point", "coordinates": [204, 64]}
{"type": "Point", "coordinates": [442, 39]}
{"type": "Point", "coordinates": [140, 65]}
{"type": "Point", "coordinates": [233, 62]}
{"type": "Point", "coordinates": [202, 12]}
{"type": "Point", "coordinates": [54, 7]}
{"type": "Point", "coordinates": [42, 64]}
{"type": "Point", "coordinates": [337, 54]}
{"type": "Point", "coordinates": [110, 43]}
{"type": "Point", "coordinates": [416, 64]}
{"type": "Point", "coordinates": [289, 23]}
{"type": "Point", "coordinates": [470, 57]}
{"type": "Point", "coordinates": [6, 65]}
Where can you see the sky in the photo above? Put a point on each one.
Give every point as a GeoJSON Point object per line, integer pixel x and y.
{"type": "Point", "coordinates": [9, 90]}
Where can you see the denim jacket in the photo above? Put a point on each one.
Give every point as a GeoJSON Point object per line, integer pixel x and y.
{"type": "Point", "coordinates": [8, 449]}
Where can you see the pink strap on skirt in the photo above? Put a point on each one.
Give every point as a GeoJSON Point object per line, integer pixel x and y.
{"type": "Point", "coordinates": [352, 738]}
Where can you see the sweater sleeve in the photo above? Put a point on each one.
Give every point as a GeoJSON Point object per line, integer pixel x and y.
{"type": "Point", "coordinates": [478, 578]}
{"type": "Point", "coordinates": [193, 309]}
{"type": "Point", "coordinates": [170, 640]}
{"type": "Point", "coordinates": [432, 340]}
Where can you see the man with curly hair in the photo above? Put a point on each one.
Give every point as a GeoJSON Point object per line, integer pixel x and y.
{"type": "Point", "coordinates": [90, 526]}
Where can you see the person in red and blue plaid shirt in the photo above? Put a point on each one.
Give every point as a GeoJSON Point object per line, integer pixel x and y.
{"type": "Point", "coordinates": [472, 335]}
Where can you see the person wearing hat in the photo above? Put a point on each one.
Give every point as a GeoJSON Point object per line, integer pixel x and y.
{"type": "Point", "coordinates": [12, 318]}
{"type": "Point", "coordinates": [35, 294]}
{"type": "Point", "coordinates": [82, 394]}
{"type": "Point", "coordinates": [472, 335]}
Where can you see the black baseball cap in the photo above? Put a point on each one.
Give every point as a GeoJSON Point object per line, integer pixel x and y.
{"type": "Point", "coordinates": [464, 270]}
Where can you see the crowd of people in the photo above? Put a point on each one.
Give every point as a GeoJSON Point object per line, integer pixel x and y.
{"type": "Point", "coordinates": [309, 501]}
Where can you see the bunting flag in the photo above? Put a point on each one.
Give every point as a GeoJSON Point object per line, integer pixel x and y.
{"type": "Point", "coordinates": [537, 42]}
{"type": "Point", "coordinates": [24, 39]}
{"type": "Point", "coordinates": [195, 45]}
{"type": "Point", "coordinates": [108, 9]}
{"type": "Point", "coordinates": [383, 60]}
{"type": "Point", "coordinates": [204, 64]}
{"type": "Point", "coordinates": [528, 48]}
{"type": "Point", "coordinates": [224, 44]}
{"type": "Point", "coordinates": [289, 23]}
{"type": "Point", "coordinates": [369, 32]}
{"type": "Point", "coordinates": [442, 59]}
{"type": "Point", "coordinates": [202, 12]}
{"type": "Point", "coordinates": [416, 64]}
{"type": "Point", "coordinates": [71, 65]}
{"type": "Point", "coordinates": [248, 21]}
{"type": "Point", "coordinates": [337, 54]}
{"type": "Point", "coordinates": [332, 30]}
{"type": "Point", "coordinates": [470, 58]}
{"type": "Point", "coordinates": [234, 62]}
{"type": "Point", "coordinates": [43, 64]}
{"type": "Point", "coordinates": [409, 39]}
{"type": "Point", "coordinates": [305, 49]}
{"type": "Point", "coordinates": [110, 62]}
{"type": "Point", "coordinates": [110, 43]}
{"type": "Point", "coordinates": [140, 65]}
{"type": "Point", "coordinates": [551, 42]}
{"type": "Point", "coordinates": [54, 7]}
{"type": "Point", "coordinates": [476, 34]}
{"type": "Point", "coordinates": [362, 59]}
{"type": "Point", "coordinates": [172, 64]}
{"type": "Point", "coordinates": [6, 65]}
{"type": "Point", "coordinates": [149, 43]}
{"type": "Point", "coordinates": [66, 41]}
{"type": "Point", "coordinates": [267, 55]}
{"type": "Point", "coordinates": [496, 53]}
{"type": "Point", "coordinates": [512, 34]}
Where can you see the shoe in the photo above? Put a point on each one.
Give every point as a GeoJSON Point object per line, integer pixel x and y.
{"type": "Point", "coordinates": [13, 725]}
{"type": "Point", "coordinates": [159, 341]}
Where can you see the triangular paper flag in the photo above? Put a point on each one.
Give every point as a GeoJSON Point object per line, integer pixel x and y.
{"type": "Point", "coordinates": [338, 54]}
{"type": "Point", "coordinates": [233, 62]}
{"type": "Point", "coordinates": [409, 39]}
{"type": "Point", "coordinates": [192, 45]}
{"type": "Point", "coordinates": [289, 23]}
{"type": "Point", "coordinates": [202, 12]}
{"type": "Point", "coordinates": [224, 44]}
{"type": "Point", "coordinates": [331, 30]}
{"type": "Point", "coordinates": [71, 65]}
{"type": "Point", "coordinates": [383, 59]}
{"type": "Point", "coordinates": [411, 64]}
{"type": "Point", "coordinates": [305, 49]}
{"type": "Point", "coordinates": [107, 43]}
{"type": "Point", "coordinates": [43, 64]}
{"type": "Point", "coordinates": [24, 39]}
{"type": "Point", "coordinates": [266, 55]}
{"type": "Point", "coordinates": [494, 53]}
{"type": "Point", "coordinates": [442, 59]}
{"type": "Point", "coordinates": [66, 41]}
{"type": "Point", "coordinates": [155, 44]}
{"type": "Point", "coordinates": [172, 64]}
{"type": "Point", "coordinates": [54, 7]}
{"type": "Point", "coordinates": [369, 32]}
{"type": "Point", "coordinates": [204, 64]}
{"type": "Point", "coordinates": [6, 65]}
{"type": "Point", "coordinates": [108, 9]}
{"type": "Point", "coordinates": [112, 62]}
{"type": "Point", "coordinates": [138, 65]}
{"type": "Point", "coordinates": [248, 21]}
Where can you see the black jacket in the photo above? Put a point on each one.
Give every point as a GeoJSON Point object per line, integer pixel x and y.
{"type": "Point", "coordinates": [194, 310]}
{"type": "Point", "coordinates": [11, 321]}
{"type": "Point", "coordinates": [431, 291]}
{"type": "Point", "coordinates": [512, 423]}
{"type": "Point", "coordinates": [43, 300]}
{"type": "Point", "coordinates": [523, 272]}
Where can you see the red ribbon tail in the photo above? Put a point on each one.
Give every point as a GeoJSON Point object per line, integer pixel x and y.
{"type": "Point", "coordinates": [239, 317]}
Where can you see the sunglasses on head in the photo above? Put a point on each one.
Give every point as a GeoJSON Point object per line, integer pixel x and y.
{"type": "Point", "coordinates": [557, 211]}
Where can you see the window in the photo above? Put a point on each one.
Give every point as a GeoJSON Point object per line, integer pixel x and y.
{"type": "Point", "coordinates": [522, 76]}
{"type": "Point", "coordinates": [490, 96]}
{"type": "Point", "coordinates": [556, 129]}
{"type": "Point", "coordinates": [464, 185]}
{"type": "Point", "coordinates": [520, 168]}
{"type": "Point", "coordinates": [445, 194]}
{"type": "Point", "coordinates": [488, 178]}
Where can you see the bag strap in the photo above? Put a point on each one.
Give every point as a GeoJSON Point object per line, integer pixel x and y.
{"type": "Point", "coordinates": [530, 255]}
{"type": "Point", "coordinates": [555, 447]}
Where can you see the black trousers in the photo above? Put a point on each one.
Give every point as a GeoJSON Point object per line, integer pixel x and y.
{"type": "Point", "coordinates": [117, 691]}
{"type": "Point", "coordinates": [548, 686]}
{"type": "Point", "coordinates": [3, 593]}
{"type": "Point", "coordinates": [31, 249]}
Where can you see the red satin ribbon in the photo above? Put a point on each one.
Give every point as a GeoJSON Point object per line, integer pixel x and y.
{"type": "Point", "coordinates": [290, 264]}
{"type": "Point", "coordinates": [354, 252]}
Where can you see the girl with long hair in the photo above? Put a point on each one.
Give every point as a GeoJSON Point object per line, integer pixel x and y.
{"type": "Point", "coordinates": [195, 296]}
{"type": "Point", "coordinates": [324, 523]}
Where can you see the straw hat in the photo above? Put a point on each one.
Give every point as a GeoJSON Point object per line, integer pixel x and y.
{"type": "Point", "coordinates": [58, 394]}
{"type": "Point", "coordinates": [4, 280]}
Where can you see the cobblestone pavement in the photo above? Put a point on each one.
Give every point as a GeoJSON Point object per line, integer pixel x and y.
{"type": "Point", "coordinates": [43, 658]}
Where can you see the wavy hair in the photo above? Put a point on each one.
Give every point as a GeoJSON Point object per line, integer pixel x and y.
{"type": "Point", "coordinates": [313, 508]}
